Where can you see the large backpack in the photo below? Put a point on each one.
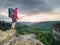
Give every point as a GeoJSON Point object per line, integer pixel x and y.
{"type": "Point", "coordinates": [11, 12]}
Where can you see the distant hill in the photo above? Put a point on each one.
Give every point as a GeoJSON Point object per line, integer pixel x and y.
{"type": "Point", "coordinates": [37, 26]}
{"type": "Point", "coordinates": [44, 25]}
{"type": "Point", "coordinates": [34, 25]}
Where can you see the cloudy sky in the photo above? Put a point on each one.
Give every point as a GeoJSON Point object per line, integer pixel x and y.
{"type": "Point", "coordinates": [31, 10]}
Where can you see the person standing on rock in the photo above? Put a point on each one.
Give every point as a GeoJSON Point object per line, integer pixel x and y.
{"type": "Point", "coordinates": [13, 14]}
{"type": "Point", "coordinates": [14, 18]}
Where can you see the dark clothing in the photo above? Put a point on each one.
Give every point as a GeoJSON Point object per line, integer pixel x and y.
{"type": "Point", "coordinates": [14, 20]}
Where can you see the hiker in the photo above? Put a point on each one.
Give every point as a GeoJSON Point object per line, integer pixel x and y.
{"type": "Point", "coordinates": [13, 14]}
{"type": "Point", "coordinates": [14, 18]}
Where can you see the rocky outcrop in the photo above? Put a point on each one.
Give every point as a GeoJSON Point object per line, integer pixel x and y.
{"type": "Point", "coordinates": [9, 38]}
{"type": "Point", "coordinates": [55, 32]}
{"type": "Point", "coordinates": [6, 34]}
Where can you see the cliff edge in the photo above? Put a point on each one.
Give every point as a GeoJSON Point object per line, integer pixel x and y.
{"type": "Point", "coordinates": [9, 38]}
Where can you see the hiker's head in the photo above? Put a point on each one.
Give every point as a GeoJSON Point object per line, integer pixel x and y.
{"type": "Point", "coordinates": [16, 8]}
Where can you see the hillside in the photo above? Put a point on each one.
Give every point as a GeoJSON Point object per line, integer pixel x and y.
{"type": "Point", "coordinates": [28, 25]}
{"type": "Point", "coordinates": [36, 26]}
{"type": "Point", "coordinates": [44, 25]}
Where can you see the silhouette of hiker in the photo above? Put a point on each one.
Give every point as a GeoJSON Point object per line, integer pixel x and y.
{"type": "Point", "coordinates": [13, 14]}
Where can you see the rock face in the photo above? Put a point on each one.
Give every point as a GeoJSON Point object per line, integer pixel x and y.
{"type": "Point", "coordinates": [6, 35]}
{"type": "Point", "coordinates": [9, 38]}
{"type": "Point", "coordinates": [55, 32]}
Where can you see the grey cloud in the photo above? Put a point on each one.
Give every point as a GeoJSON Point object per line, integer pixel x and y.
{"type": "Point", "coordinates": [2, 3]}
{"type": "Point", "coordinates": [31, 6]}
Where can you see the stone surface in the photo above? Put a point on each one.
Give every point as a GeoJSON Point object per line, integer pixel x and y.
{"type": "Point", "coordinates": [6, 34]}
{"type": "Point", "coordinates": [9, 38]}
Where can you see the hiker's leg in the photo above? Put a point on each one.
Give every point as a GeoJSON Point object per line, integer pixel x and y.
{"type": "Point", "coordinates": [13, 23]}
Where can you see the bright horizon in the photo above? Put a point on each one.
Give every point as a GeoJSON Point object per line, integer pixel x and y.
{"type": "Point", "coordinates": [34, 18]}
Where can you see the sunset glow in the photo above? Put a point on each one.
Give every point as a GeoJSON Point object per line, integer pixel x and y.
{"type": "Point", "coordinates": [41, 17]}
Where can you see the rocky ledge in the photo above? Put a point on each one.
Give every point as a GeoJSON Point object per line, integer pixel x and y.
{"type": "Point", "coordinates": [9, 38]}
